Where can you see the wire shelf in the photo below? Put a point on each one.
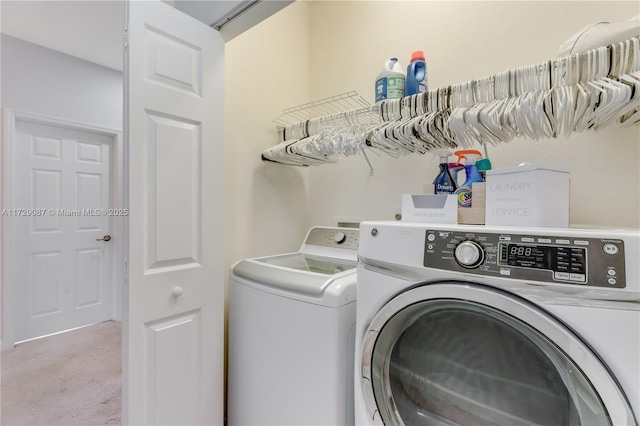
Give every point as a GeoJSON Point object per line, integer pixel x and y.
{"type": "Point", "coordinates": [334, 105]}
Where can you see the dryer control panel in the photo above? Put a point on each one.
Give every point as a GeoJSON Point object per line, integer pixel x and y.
{"type": "Point", "coordinates": [598, 262]}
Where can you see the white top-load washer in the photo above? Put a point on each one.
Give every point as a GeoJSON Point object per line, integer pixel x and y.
{"type": "Point", "coordinates": [474, 325]}
{"type": "Point", "coordinates": [292, 335]}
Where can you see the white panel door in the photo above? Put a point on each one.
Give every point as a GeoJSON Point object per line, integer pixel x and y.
{"type": "Point", "coordinates": [62, 274]}
{"type": "Point", "coordinates": [174, 129]}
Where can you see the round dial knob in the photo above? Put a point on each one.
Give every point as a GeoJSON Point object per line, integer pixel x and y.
{"type": "Point", "coordinates": [339, 237]}
{"type": "Point", "coordinates": [469, 254]}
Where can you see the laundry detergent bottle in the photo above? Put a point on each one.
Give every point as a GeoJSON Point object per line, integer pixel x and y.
{"type": "Point", "coordinates": [416, 74]}
{"type": "Point", "coordinates": [470, 157]}
{"type": "Point", "coordinates": [454, 170]}
{"type": "Point", "coordinates": [444, 183]}
{"type": "Point", "coordinates": [390, 81]}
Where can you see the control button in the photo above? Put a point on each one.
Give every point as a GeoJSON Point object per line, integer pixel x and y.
{"type": "Point", "coordinates": [528, 240]}
{"type": "Point", "coordinates": [505, 271]}
{"type": "Point", "coordinates": [544, 240]}
{"type": "Point", "coordinates": [611, 272]}
{"type": "Point", "coordinates": [469, 254]}
{"type": "Point", "coordinates": [504, 238]}
{"type": "Point", "coordinates": [561, 275]}
{"type": "Point", "coordinates": [611, 281]}
{"type": "Point", "coordinates": [563, 242]}
{"type": "Point", "coordinates": [430, 247]}
{"type": "Point", "coordinates": [610, 248]}
{"type": "Point", "coordinates": [431, 237]}
{"type": "Point", "coordinates": [577, 277]}
{"type": "Point", "coordinates": [339, 237]}
{"type": "Point", "coordinates": [581, 242]}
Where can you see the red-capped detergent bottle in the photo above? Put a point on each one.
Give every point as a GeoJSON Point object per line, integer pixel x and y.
{"type": "Point", "coordinates": [416, 74]}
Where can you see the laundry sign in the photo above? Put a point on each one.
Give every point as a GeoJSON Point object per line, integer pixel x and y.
{"type": "Point", "coordinates": [529, 195]}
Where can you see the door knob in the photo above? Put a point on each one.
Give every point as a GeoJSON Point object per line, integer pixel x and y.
{"type": "Point", "coordinates": [105, 238]}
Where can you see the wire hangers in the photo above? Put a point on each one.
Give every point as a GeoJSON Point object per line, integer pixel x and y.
{"type": "Point", "coordinates": [576, 93]}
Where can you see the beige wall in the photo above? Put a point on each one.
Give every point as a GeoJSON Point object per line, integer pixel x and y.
{"type": "Point", "coordinates": [350, 40]}
{"type": "Point", "coordinates": [267, 70]}
{"type": "Point", "coordinates": [311, 50]}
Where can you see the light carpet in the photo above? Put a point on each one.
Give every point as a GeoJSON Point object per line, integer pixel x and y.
{"type": "Point", "coordinates": [72, 378]}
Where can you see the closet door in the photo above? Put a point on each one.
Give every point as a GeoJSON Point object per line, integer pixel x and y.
{"type": "Point", "coordinates": [174, 128]}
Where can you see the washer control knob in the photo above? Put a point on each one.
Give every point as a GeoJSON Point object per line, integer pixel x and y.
{"type": "Point", "coordinates": [469, 254]}
{"type": "Point", "coordinates": [339, 237]}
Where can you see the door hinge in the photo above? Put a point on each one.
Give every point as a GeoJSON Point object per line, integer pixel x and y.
{"type": "Point", "coordinates": [125, 272]}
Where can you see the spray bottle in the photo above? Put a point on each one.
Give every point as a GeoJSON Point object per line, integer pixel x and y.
{"type": "Point", "coordinates": [444, 183]}
{"type": "Point", "coordinates": [454, 169]}
{"type": "Point", "coordinates": [473, 175]}
{"type": "Point", "coordinates": [483, 165]}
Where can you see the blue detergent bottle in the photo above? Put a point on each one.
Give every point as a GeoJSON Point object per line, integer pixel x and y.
{"type": "Point", "coordinates": [416, 74]}
{"type": "Point", "coordinates": [473, 175]}
{"type": "Point", "coordinates": [444, 182]}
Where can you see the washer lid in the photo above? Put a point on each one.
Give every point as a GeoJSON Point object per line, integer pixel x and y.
{"type": "Point", "coordinates": [309, 263]}
{"type": "Point", "coordinates": [295, 272]}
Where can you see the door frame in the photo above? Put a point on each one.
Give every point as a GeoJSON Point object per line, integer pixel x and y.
{"type": "Point", "coordinates": [10, 117]}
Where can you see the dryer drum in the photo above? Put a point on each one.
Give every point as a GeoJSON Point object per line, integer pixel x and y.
{"type": "Point", "coordinates": [456, 361]}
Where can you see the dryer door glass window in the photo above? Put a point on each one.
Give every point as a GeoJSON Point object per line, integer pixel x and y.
{"type": "Point", "coordinates": [450, 362]}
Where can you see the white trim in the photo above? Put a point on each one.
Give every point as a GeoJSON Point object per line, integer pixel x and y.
{"type": "Point", "coordinates": [598, 375]}
{"type": "Point", "coordinates": [56, 333]}
{"type": "Point", "coordinates": [7, 273]}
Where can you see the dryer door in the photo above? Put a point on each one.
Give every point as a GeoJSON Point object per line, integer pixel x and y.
{"type": "Point", "coordinates": [457, 353]}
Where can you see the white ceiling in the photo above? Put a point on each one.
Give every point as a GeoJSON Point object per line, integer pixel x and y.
{"type": "Point", "coordinates": [91, 29]}
{"type": "Point", "coordinates": [210, 12]}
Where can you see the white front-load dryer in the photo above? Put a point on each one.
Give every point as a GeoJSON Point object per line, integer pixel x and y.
{"type": "Point", "coordinates": [470, 325]}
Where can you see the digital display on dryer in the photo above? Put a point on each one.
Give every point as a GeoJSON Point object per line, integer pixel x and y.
{"type": "Point", "coordinates": [553, 258]}
{"type": "Point", "coordinates": [526, 256]}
